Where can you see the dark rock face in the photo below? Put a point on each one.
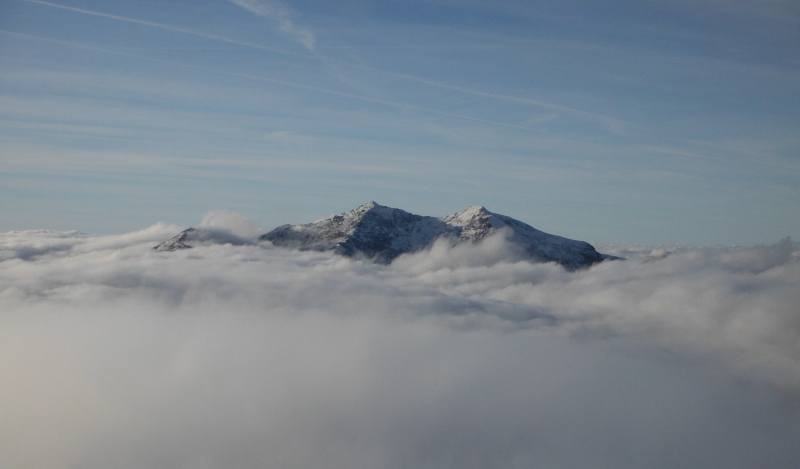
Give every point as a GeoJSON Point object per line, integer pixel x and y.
{"type": "Point", "coordinates": [381, 234]}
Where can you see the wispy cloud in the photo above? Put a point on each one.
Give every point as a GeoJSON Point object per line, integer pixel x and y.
{"type": "Point", "coordinates": [282, 15]}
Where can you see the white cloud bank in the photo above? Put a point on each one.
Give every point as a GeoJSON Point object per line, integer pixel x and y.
{"type": "Point", "coordinates": [282, 16]}
{"type": "Point", "coordinates": [112, 355]}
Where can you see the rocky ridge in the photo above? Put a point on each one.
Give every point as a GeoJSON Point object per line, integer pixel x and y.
{"type": "Point", "coordinates": [380, 233]}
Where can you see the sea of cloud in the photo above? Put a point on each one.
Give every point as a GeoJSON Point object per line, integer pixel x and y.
{"type": "Point", "coordinates": [247, 356]}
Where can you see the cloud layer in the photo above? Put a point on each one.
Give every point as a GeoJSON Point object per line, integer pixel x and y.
{"type": "Point", "coordinates": [112, 355]}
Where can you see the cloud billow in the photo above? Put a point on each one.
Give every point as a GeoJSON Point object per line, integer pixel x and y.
{"type": "Point", "coordinates": [251, 356]}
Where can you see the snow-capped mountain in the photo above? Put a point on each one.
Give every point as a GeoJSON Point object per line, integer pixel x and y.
{"type": "Point", "coordinates": [382, 233]}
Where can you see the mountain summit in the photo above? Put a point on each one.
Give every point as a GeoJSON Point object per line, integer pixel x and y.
{"type": "Point", "coordinates": [382, 233]}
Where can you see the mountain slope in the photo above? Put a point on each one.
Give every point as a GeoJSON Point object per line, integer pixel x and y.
{"type": "Point", "coordinates": [194, 237]}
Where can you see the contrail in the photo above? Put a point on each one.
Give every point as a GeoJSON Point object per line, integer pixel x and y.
{"type": "Point", "coordinates": [501, 97]}
{"type": "Point", "coordinates": [393, 104]}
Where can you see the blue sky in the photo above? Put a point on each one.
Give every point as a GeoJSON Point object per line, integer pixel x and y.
{"type": "Point", "coordinates": [648, 122]}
